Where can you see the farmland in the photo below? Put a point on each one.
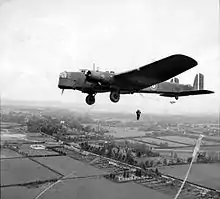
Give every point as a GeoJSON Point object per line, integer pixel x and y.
{"type": "Point", "coordinates": [38, 137]}
{"type": "Point", "coordinates": [7, 153]}
{"type": "Point", "coordinates": [186, 140]}
{"type": "Point", "coordinates": [126, 132]}
{"type": "Point", "coordinates": [101, 188]}
{"type": "Point", "coordinates": [28, 150]}
{"type": "Point", "coordinates": [158, 141]}
{"type": "Point", "coordinates": [19, 192]}
{"type": "Point", "coordinates": [14, 171]}
{"type": "Point", "coordinates": [66, 165]}
{"type": "Point", "coordinates": [203, 148]}
{"type": "Point", "coordinates": [203, 174]}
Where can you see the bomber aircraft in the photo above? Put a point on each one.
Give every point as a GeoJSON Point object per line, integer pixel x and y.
{"type": "Point", "coordinates": [150, 78]}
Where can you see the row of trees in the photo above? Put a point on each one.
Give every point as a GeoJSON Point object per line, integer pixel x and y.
{"type": "Point", "coordinates": [15, 117]}
{"type": "Point", "coordinates": [51, 125]}
{"type": "Point", "coordinates": [111, 150]}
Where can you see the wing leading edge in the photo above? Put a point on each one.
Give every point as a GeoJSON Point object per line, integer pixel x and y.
{"type": "Point", "coordinates": [156, 72]}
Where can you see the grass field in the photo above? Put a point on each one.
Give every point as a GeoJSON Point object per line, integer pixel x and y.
{"type": "Point", "coordinates": [20, 192]}
{"type": "Point", "coordinates": [27, 149]}
{"type": "Point", "coordinates": [8, 135]}
{"type": "Point", "coordinates": [203, 148]}
{"type": "Point", "coordinates": [126, 132]}
{"type": "Point", "coordinates": [157, 141]}
{"type": "Point", "coordinates": [66, 165]}
{"type": "Point", "coordinates": [203, 174]}
{"type": "Point", "coordinates": [186, 140]}
{"type": "Point", "coordinates": [101, 189]}
{"type": "Point", "coordinates": [22, 170]}
{"type": "Point", "coordinates": [38, 137]}
{"type": "Point", "coordinates": [7, 153]}
{"type": "Point", "coordinates": [8, 124]}
{"type": "Point", "coordinates": [183, 155]}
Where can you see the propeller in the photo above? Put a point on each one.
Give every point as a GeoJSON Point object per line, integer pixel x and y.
{"type": "Point", "coordinates": [62, 91]}
{"type": "Point", "coordinates": [141, 95]}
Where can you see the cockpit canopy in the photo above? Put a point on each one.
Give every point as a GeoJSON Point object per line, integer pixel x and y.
{"type": "Point", "coordinates": [63, 74]}
{"type": "Point", "coordinates": [83, 70]}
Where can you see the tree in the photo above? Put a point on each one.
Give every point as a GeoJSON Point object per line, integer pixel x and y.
{"type": "Point", "coordinates": [165, 161]}
{"type": "Point", "coordinates": [175, 155]}
{"type": "Point", "coordinates": [147, 163]}
{"type": "Point", "coordinates": [142, 165]}
{"type": "Point", "coordinates": [151, 163]}
{"type": "Point", "coordinates": [109, 153]}
{"type": "Point", "coordinates": [156, 171]}
{"type": "Point", "coordinates": [178, 160]}
{"type": "Point", "coordinates": [189, 159]}
{"type": "Point", "coordinates": [138, 154]}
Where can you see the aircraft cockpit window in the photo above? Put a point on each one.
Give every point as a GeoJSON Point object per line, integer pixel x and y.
{"type": "Point", "coordinates": [63, 74]}
{"type": "Point", "coordinates": [83, 71]}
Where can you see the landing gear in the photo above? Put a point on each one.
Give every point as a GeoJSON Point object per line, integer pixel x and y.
{"type": "Point", "coordinates": [90, 99]}
{"type": "Point", "coordinates": [114, 96]}
{"type": "Point", "coordinates": [176, 97]}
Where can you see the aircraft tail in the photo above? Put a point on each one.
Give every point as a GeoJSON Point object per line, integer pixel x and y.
{"type": "Point", "coordinates": [198, 83]}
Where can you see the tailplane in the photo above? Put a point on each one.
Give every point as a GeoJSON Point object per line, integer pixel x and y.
{"type": "Point", "coordinates": [198, 83]}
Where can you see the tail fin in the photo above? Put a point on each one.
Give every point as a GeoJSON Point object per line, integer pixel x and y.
{"type": "Point", "coordinates": [198, 83]}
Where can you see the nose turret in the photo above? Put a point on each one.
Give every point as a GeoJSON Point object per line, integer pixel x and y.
{"type": "Point", "coordinates": [64, 80]}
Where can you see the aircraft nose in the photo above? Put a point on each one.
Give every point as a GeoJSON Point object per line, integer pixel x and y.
{"type": "Point", "coordinates": [64, 82]}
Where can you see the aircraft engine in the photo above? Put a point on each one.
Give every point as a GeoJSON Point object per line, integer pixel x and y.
{"type": "Point", "coordinates": [96, 76]}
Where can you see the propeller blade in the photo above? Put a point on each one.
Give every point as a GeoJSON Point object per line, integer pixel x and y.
{"type": "Point", "coordinates": [141, 95]}
{"type": "Point", "coordinates": [62, 91]}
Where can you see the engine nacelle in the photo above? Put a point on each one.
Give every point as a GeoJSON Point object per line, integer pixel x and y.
{"type": "Point", "coordinates": [96, 76]}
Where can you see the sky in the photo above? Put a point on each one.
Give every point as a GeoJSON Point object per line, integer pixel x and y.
{"type": "Point", "coordinates": [40, 39]}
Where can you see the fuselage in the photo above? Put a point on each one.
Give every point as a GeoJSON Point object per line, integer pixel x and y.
{"type": "Point", "coordinates": [78, 81]}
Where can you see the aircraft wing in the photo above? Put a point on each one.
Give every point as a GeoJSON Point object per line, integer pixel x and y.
{"type": "Point", "coordinates": [185, 93]}
{"type": "Point", "coordinates": [155, 72]}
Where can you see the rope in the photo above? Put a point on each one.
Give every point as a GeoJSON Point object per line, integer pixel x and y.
{"type": "Point", "coordinates": [196, 149]}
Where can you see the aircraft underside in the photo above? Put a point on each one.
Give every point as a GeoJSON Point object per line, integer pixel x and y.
{"type": "Point", "coordinates": [114, 97]}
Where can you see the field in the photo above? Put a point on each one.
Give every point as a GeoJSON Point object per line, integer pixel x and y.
{"type": "Point", "coordinates": [126, 132]}
{"type": "Point", "coordinates": [8, 135]}
{"type": "Point", "coordinates": [136, 141]}
{"type": "Point", "coordinates": [66, 165]}
{"type": "Point", "coordinates": [101, 189]}
{"type": "Point", "coordinates": [7, 153]}
{"type": "Point", "coordinates": [204, 148]}
{"type": "Point", "coordinates": [183, 155]}
{"type": "Point", "coordinates": [8, 124]}
{"type": "Point", "coordinates": [158, 141]}
{"type": "Point", "coordinates": [203, 174]}
{"type": "Point", "coordinates": [27, 149]}
{"type": "Point", "coordinates": [19, 192]}
{"type": "Point", "coordinates": [186, 140]}
{"type": "Point", "coordinates": [38, 137]}
{"type": "Point", "coordinates": [22, 170]}
{"type": "Point", "coordinates": [85, 188]}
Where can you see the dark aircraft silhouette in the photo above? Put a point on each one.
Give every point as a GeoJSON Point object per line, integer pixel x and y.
{"type": "Point", "coordinates": [146, 79]}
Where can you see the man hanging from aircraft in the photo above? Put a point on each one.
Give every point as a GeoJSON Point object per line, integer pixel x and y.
{"type": "Point", "coordinates": [150, 78]}
{"type": "Point", "coordinates": [138, 113]}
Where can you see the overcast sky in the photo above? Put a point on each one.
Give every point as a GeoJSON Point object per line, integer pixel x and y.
{"type": "Point", "coordinates": [41, 38]}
